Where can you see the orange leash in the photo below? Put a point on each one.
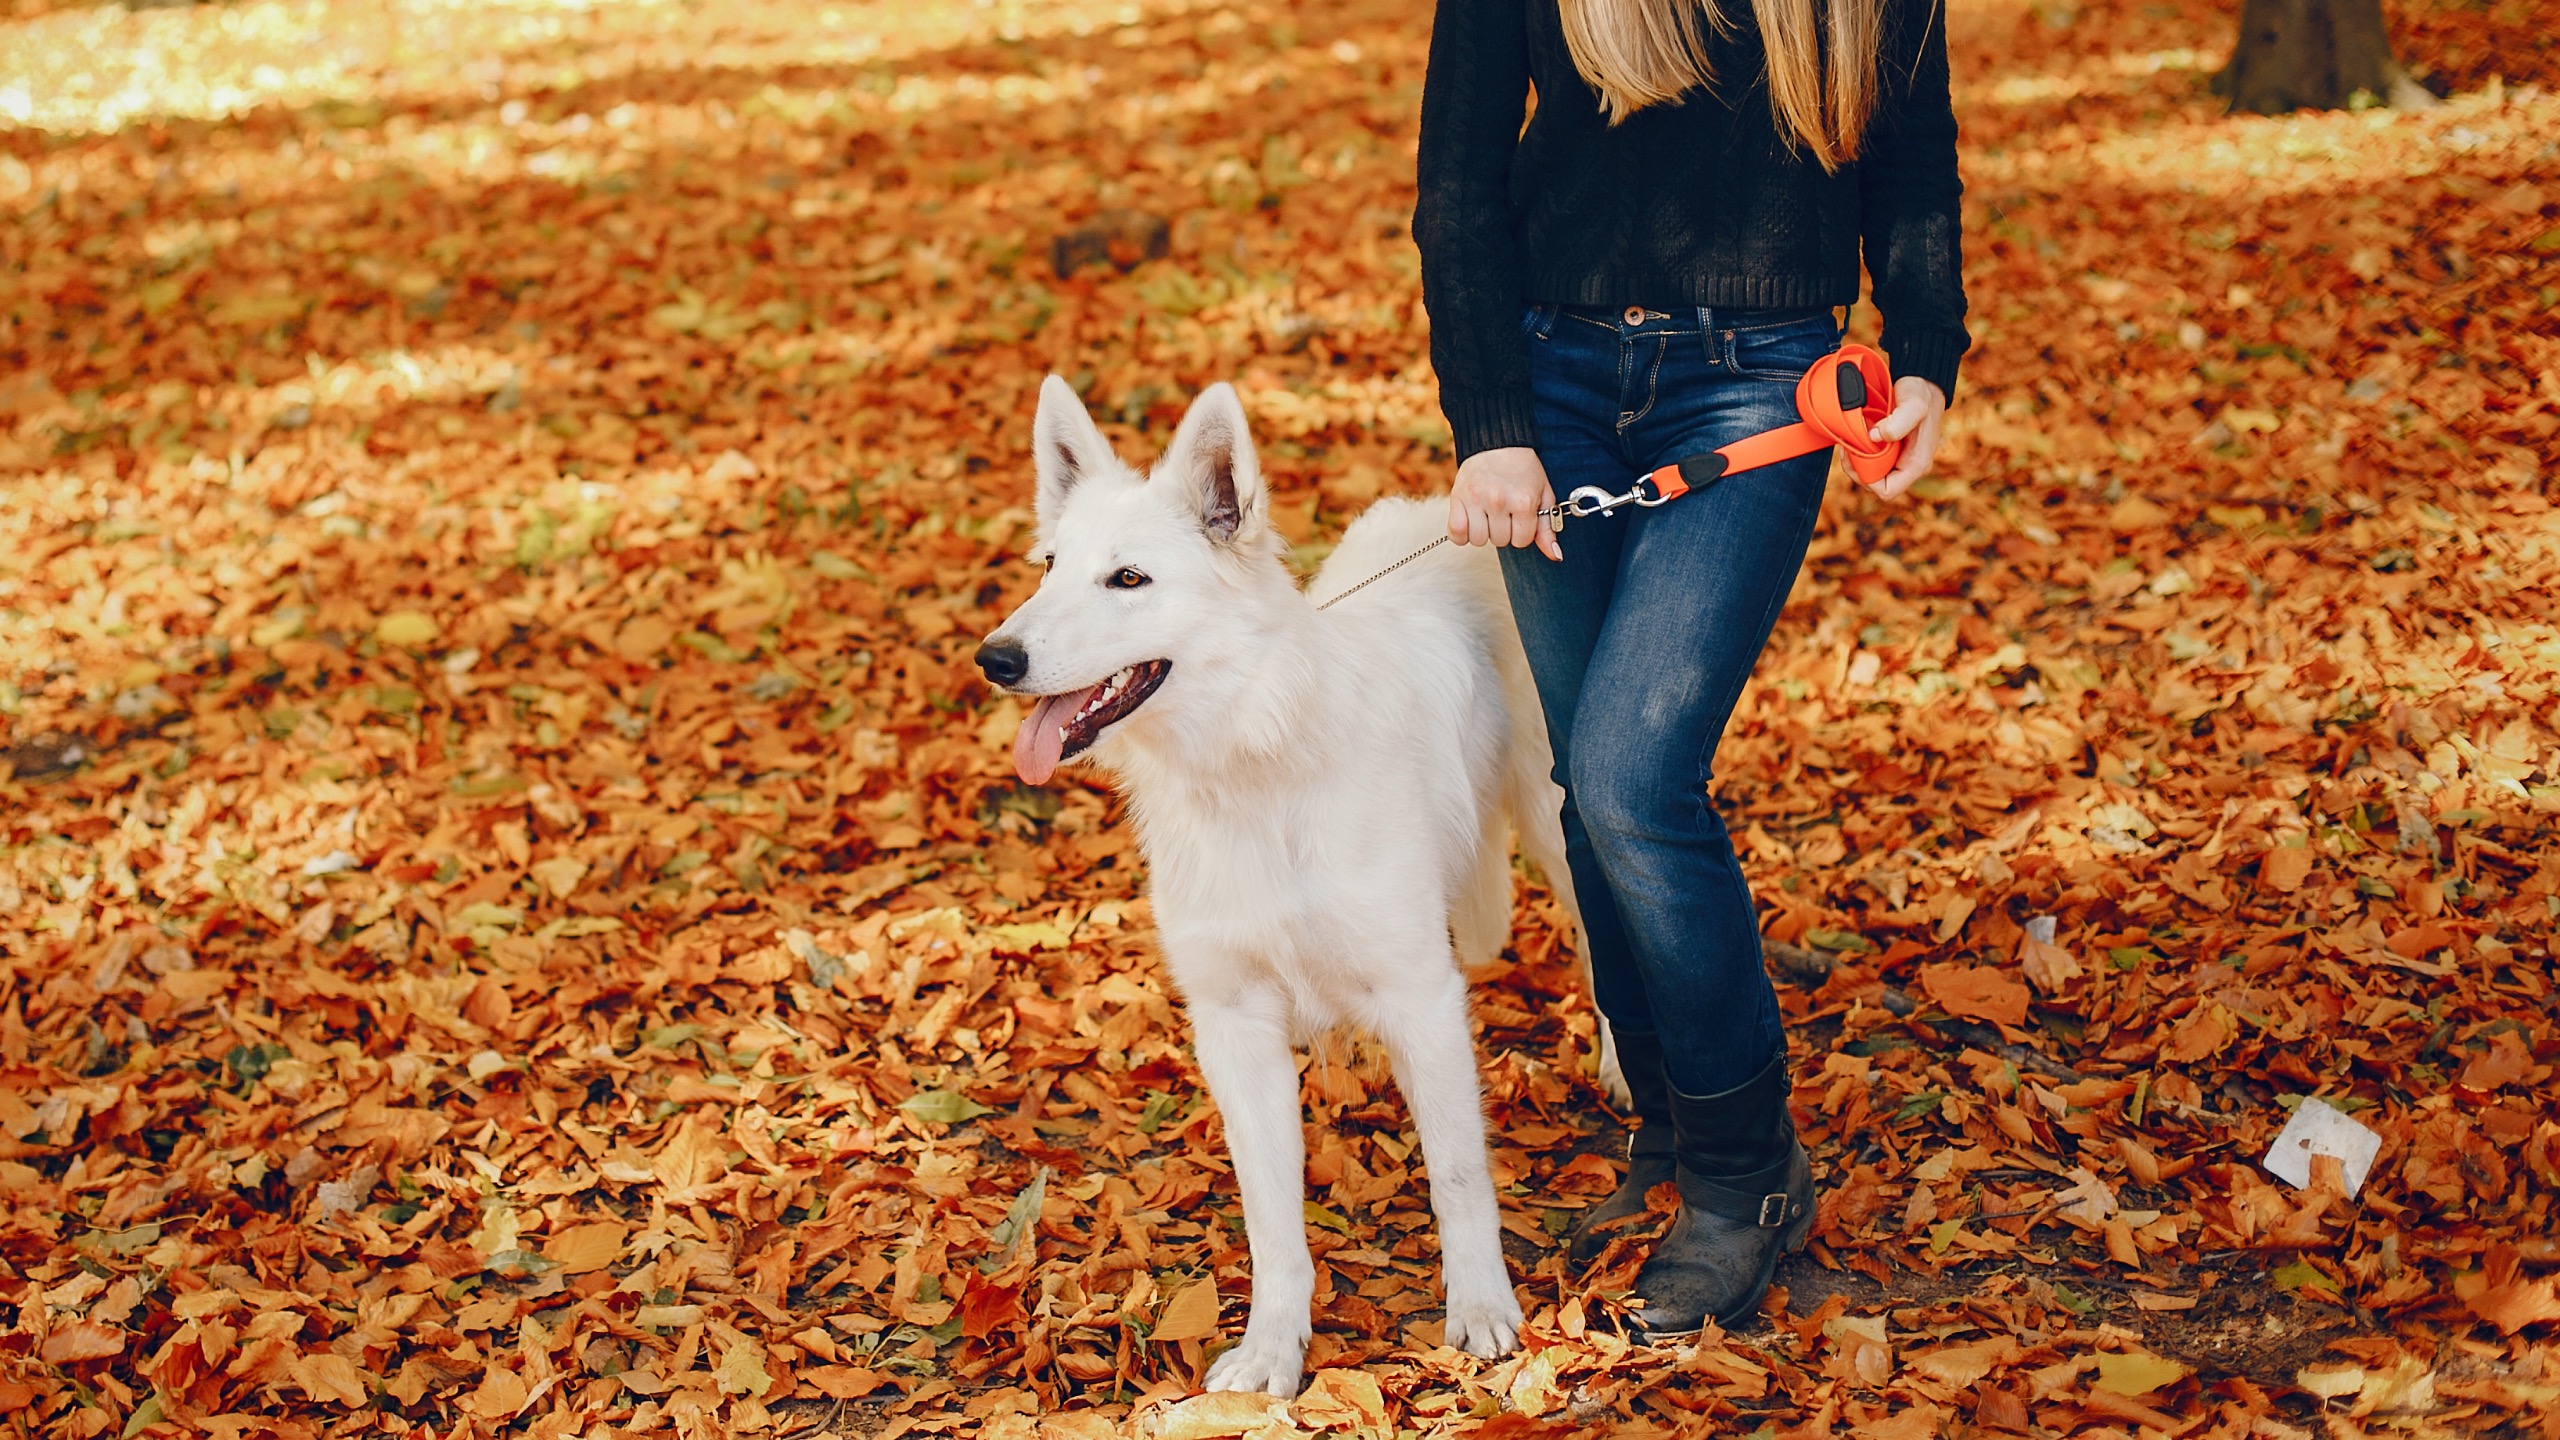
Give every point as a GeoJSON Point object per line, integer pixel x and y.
{"type": "Point", "coordinates": [1842, 398]}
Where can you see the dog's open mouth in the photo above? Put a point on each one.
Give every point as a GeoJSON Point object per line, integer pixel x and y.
{"type": "Point", "coordinates": [1064, 726]}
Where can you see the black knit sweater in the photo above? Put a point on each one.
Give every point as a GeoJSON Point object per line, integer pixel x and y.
{"type": "Point", "coordinates": [1696, 203]}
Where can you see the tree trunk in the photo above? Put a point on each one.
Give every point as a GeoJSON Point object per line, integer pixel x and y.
{"type": "Point", "coordinates": [2315, 55]}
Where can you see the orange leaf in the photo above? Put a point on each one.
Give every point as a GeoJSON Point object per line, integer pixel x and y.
{"type": "Point", "coordinates": [987, 1309]}
{"type": "Point", "coordinates": [2505, 1062]}
{"type": "Point", "coordinates": [1975, 992]}
{"type": "Point", "coordinates": [842, 1382]}
{"type": "Point", "coordinates": [584, 1248]}
{"type": "Point", "coordinates": [2286, 867]}
{"type": "Point", "coordinates": [2201, 1032]}
{"type": "Point", "coordinates": [2519, 1303]}
{"type": "Point", "coordinates": [82, 1340]}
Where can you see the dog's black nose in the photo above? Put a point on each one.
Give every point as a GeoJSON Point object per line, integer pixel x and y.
{"type": "Point", "coordinates": [1003, 662]}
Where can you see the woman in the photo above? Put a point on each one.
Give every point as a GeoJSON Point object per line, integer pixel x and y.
{"type": "Point", "coordinates": [1642, 274]}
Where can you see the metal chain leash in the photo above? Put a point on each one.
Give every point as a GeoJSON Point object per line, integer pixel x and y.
{"type": "Point", "coordinates": [1589, 500]}
{"type": "Point", "coordinates": [1383, 574]}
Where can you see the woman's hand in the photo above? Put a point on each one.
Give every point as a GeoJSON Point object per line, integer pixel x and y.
{"type": "Point", "coordinates": [1918, 409]}
{"type": "Point", "coordinates": [1497, 499]}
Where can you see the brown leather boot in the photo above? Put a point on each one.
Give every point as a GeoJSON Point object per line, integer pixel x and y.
{"type": "Point", "coordinates": [1746, 1198]}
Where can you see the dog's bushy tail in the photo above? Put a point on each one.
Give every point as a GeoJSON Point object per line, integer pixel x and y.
{"type": "Point", "coordinates": [1531, 794]}
{"type": "Point", "coordinates": [1527, 799]}
{"type": "Point", "coordinates": [1536, 802]}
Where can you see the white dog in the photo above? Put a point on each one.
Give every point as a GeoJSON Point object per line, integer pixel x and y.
{"type": "Point", "coordinates": [1324, 799]}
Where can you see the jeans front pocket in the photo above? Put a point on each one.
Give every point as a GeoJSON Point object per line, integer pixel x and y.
{"type": "Point", "coordinates": [1782, 351]}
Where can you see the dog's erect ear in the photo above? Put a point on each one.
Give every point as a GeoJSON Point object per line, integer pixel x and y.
{"type": "Point", "coordinates": [1066, 448]}
{"type": "Point", "coordinates": [1212, 459]}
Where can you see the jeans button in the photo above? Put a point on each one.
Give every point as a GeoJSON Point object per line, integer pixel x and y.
{"type": "Point", "coordinates": [1634, 315]}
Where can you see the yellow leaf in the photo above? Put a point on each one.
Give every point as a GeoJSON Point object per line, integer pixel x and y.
{"type": "Point", "coordinates": [741, 1370]}
{"type": "Point", "coordinates": [1344, 1399]}
{"type": "Point", "coordinates": [560, 875]}
{"type": "Point", "coordinates": [1192, 1313]}
{"type": "Point", "coordinates": [2136, 513]}
{"type": "Point", "coordinates": [1533, 1388]}
{"type": "Point", "coordinates": [1004, 717]}
{"type": "Point", "coordinates": [410, 628]}
{"type": "Point", "coordinates": [1952, 916]}
{"type": "Point", "coordinates": [1024, 938]}
{"type": "Point", "coordinates": [1209, 1417]}
{"type": "Point", "coordinates": [275, 631]}
{"type": "Point", "coordinates": [2138, 1372]}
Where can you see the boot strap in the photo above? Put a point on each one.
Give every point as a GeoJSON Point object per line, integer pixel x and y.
{"type": "Point", "coordinates": [1769, 1210]}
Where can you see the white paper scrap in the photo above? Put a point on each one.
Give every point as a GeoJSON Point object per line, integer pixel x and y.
{"type": "Point", "coordinates": [2315, 1129]}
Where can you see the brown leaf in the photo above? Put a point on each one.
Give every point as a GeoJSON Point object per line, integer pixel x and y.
{"type": "Point", "coordinates": [2048, 966]}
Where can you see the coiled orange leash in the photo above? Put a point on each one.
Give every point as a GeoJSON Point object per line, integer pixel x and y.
{"type": "Point", "coordinates": [1841, 398]}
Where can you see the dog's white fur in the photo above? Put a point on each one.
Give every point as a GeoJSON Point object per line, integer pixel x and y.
{"type": "Point", "coordinates": [1325, 803]}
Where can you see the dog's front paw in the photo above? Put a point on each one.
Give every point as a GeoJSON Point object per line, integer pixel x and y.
{"type": "Point", "coordinates": [1262, 1360]}
{"type": "Point", "coordinates": [1486, 1324]}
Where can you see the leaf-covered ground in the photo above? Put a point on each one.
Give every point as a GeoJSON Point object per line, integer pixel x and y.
{"type": "Point", "coordinates": [515, 916]}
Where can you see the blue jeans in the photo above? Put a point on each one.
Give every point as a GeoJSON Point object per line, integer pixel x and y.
{"type": "Point", "coordinates": [1641, 639]}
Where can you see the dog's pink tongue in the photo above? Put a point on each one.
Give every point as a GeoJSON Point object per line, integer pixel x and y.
{"type": "Point", "coordinates": [1037, 744]}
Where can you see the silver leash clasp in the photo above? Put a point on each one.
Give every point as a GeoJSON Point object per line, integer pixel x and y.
{"type": "Point", "coordinates": [1588, 500]}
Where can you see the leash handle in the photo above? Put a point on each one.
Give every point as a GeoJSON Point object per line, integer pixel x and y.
{"type": "Point", "coordinates": [1849, 404]}
{"type": "Point", "coordinates": [1841, 398]}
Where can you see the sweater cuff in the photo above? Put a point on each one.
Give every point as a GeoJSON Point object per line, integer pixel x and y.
{"type": "Point", "coordinates": [1931, 357]}
{"type": "Point", "coordinates": [1495, 421]}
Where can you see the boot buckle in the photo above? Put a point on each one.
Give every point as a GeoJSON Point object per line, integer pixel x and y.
{"type": "Point", "coordinates": [1773, 1210]}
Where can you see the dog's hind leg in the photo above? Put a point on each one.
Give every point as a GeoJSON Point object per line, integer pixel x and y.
{"type": "Point", "coordinates": [1424, 1024]}
{"type": "Point", "coordinates": [1243, 1048]}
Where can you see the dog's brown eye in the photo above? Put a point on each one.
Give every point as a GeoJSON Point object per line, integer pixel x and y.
{"type": "Point", "coordinates": [1126, 578]}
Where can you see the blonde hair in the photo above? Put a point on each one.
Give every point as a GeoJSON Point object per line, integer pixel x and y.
{"type": "Point", "coordinates": [1821, 61]}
